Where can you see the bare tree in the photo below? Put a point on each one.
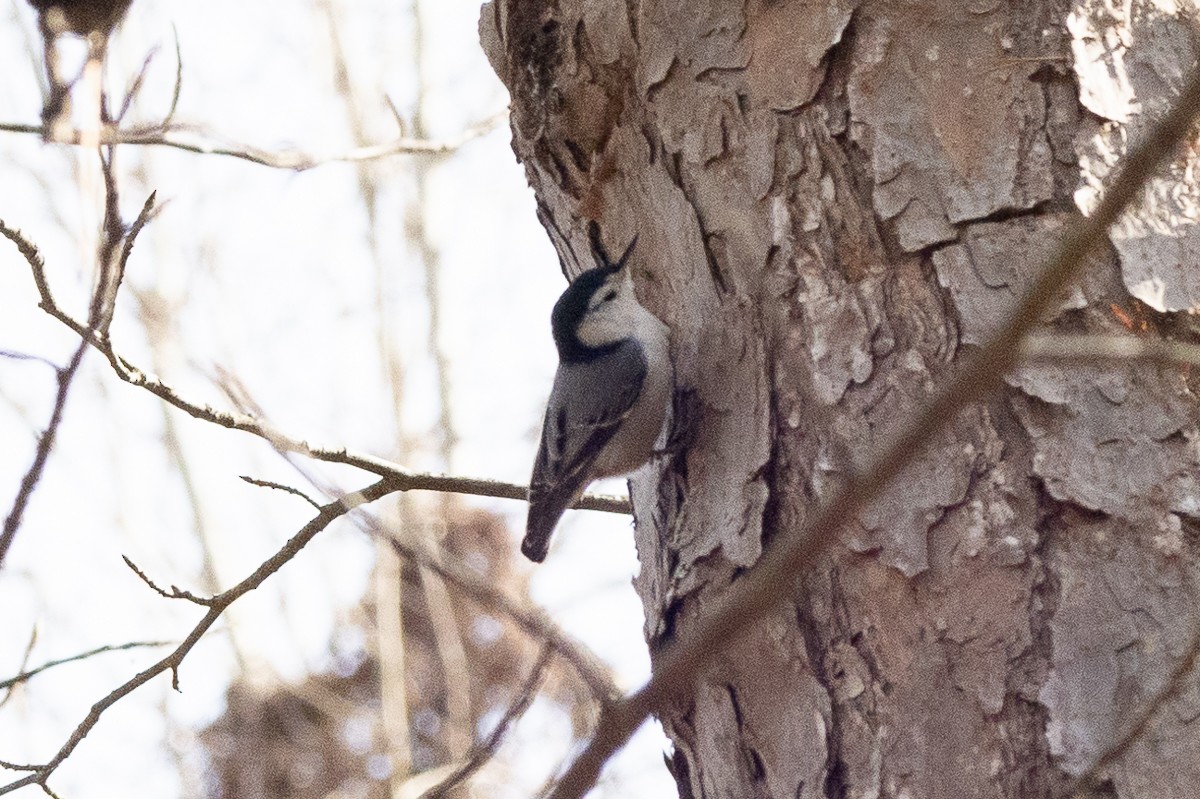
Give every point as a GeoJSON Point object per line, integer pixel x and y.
{"type": "Point", "coordinates": [838, 205]}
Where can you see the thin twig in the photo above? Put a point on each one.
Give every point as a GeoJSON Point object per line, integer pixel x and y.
{"type": "Point", "coordinates": [149, 210]}
{"type": "Point", "coordinates": [33, 634]}
{"type": "Point", "coordinates": [195, 141]}
{"type": "Point", "coordinates": [178, 89]}
{"type": "Point", "coordinates": [771, 582]}
{"type": "Point", "coordinates": [26, 675]}
{"type": "Point", "coordinates": [485, 750]}
{"type": "Point", "coordinates": [174, 593]}
{"type": "Point", "coordinates": [25, 356]}
{"type": "Point", "coordinates": [401, 125]}
{"type": "Point", "coordinates": [281, 487]}
{"type": "Point", "coordinates": [135, 86]}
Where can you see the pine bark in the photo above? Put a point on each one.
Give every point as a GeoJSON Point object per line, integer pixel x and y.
{"type": "Point", "coordinates": [835, 201]}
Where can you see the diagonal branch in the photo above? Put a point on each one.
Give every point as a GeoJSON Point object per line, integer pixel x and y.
{"type": "Point", "coordinates": [39, 775]}
{"type": "Point", "coordinates": [773, 580]}
{"type": "Point", "coordinates": [29, 482]}
{"type": "Point", "coordinates": [116, 245]}
{"type": "Point", "coordinates": [486, 749]}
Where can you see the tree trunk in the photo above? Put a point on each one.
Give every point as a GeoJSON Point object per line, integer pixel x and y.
{"type": "Point", "coordinates": [834, 201]}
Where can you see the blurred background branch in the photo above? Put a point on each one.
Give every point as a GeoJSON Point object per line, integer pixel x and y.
{"type": "Point", "coordinates": [196, 140]}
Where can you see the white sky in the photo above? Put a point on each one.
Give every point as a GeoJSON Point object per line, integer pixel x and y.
{"type": "Point", "coordinates": [269, 277]}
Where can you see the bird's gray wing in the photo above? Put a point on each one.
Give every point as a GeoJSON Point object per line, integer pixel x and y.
{"type": "Point", "coordinates": [587, 404]}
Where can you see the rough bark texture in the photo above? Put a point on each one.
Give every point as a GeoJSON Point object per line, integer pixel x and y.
{"type": "Point", "coordinates": [834, 200]}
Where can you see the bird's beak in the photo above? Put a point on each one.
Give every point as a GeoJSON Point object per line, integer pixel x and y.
{"type": "Point", "coordinates": [628, 251]}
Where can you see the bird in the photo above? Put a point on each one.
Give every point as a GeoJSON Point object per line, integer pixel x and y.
{"type": "Point", "coordinates": [610, 397]}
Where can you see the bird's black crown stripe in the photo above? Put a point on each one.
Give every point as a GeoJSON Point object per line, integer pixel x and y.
{"type": "Point", "coordinates": [570, 308]}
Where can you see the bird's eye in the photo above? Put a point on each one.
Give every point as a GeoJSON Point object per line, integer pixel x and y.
{"type": "Point", "coordinates": [611, 294]}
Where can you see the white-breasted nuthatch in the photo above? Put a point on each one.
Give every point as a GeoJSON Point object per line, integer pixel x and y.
{"type": "Point", "coordinates": [610, 396]}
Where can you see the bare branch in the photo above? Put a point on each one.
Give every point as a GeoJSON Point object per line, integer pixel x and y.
{"type": "Point", "coordinates": [401, 125]}
{"type": "Point", "coordinates": [486, 749]}
{"type": "Point", "coordinates": [773, 579]}
{"type": "Point", "coordinates": [17, 766]}
{"type": "Point", "coordinates": [41, 774]}
{"type": "Point", "coordinates": [193, 140]}
{"type": "Point", "coordinates": [27, 675]}
{"type": "Point", "coordinates": [31, 255]}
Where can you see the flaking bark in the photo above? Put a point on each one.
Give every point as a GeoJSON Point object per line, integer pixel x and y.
{"type": "Point", "coordinates": [833, 201]}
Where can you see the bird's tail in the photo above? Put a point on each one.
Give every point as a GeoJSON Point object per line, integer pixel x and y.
{"type": "Point", "coordinates": [546, 507]}
{"type": "Point", "coordinates": [536, 544]}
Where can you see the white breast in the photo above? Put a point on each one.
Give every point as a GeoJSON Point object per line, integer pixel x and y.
{"type": "Point", "coordinates": [633, 444]}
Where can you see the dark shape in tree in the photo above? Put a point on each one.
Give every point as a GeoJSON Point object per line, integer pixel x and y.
{"type": "Point", "coordinates": [92, 19]}
{"type": "Point", "coordinates": [82, 17]}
